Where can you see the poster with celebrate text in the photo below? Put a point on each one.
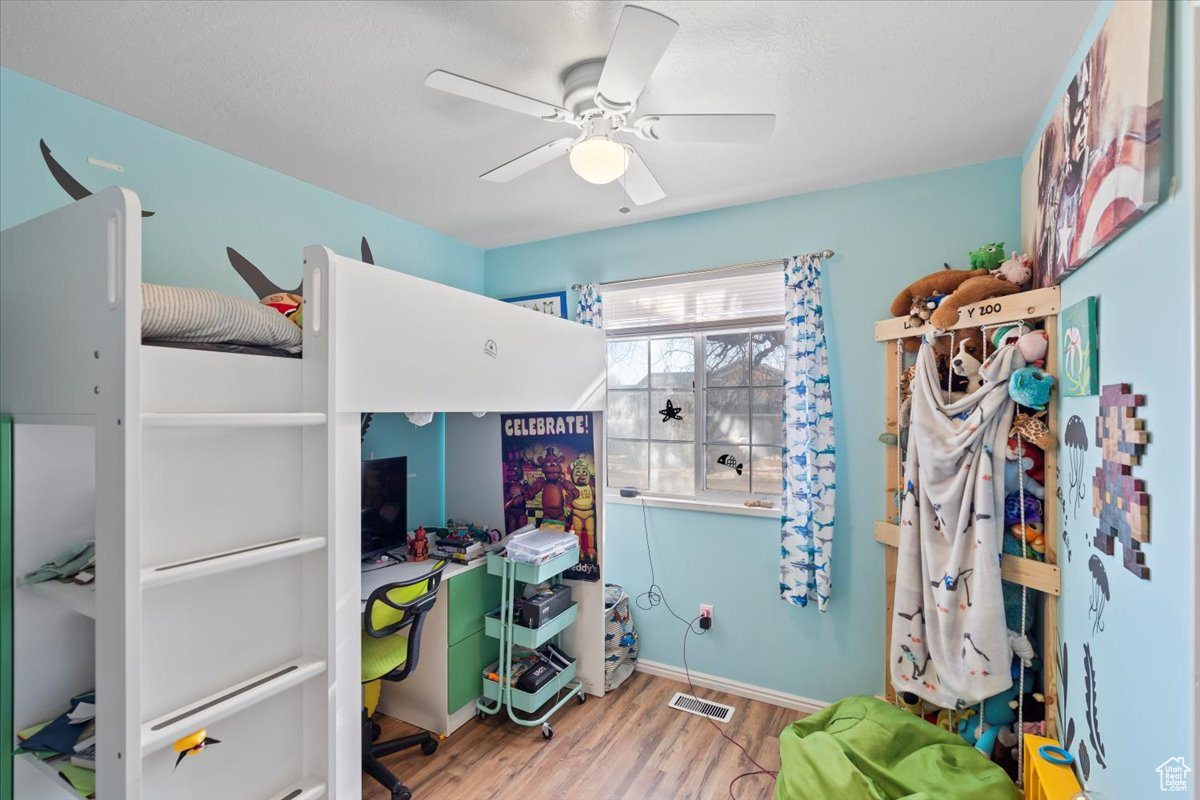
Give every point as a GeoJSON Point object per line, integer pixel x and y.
{"type": "Point", "coordinates": [549, 478]}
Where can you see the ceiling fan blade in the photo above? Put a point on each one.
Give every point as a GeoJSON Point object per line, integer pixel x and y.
{"type": "Point", "coordinates": [485, 93]}
{"type": "Point", "coordinates": [638, 181]}
{"type": "Point", "coordinates": [730, 128]}
{"type": "Point", "coordinates": [640, 40]}
{"type": "Point", "coordinates": [530, 161]}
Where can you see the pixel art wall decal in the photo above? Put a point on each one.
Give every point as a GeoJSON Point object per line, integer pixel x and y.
{"type": "Point", "coordinates": [1118, 499]}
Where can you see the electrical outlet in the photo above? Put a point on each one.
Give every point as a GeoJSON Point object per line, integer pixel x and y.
{"type": "Point", "coordinates": [706, 610]}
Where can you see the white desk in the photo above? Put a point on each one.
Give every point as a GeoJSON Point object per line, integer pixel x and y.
{"type": "Point", "coordinates": [407, 570]}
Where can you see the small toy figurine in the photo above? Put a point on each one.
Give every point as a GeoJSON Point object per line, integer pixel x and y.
{"type": "Point", "coordinates": [192, 744]}
{"type": "Point", "coordinates": [418, 546]}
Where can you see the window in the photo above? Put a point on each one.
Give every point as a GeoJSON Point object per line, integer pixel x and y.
{"type": "Point", "coordinates": [695, 400]}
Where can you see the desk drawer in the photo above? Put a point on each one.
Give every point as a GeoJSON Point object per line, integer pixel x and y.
{"type": "Point", "coordinates": [467, 661]}
{"type": "Point", "coordinates": [470, 596]}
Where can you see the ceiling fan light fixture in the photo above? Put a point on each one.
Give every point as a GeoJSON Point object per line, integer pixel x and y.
{"type": "Point", "coordinates": [599, 159]}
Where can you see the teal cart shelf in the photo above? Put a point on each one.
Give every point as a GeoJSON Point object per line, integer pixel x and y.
{"type": "Point", "coordinates": [533, 573]}
{"type": "Point", "coordinates": [532, 637]}
{"type": "Point", "coordinates": [499, 694]}
{"type": "Point", "coordinates": [524, 701]}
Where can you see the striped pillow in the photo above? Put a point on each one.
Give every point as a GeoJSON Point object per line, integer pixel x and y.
{"type": "Point", "coordinates": [181, 314]}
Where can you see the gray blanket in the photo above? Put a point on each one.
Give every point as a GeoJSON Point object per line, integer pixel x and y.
{"type": "Point", "coordinates": [949, 639]}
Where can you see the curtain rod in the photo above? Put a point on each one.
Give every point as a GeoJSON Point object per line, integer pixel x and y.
{"type": "Point", "coordinates": [818, 254]}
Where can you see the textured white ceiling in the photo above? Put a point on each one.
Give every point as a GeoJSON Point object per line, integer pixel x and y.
{"type": "Point", "coordinates": [332, 93]}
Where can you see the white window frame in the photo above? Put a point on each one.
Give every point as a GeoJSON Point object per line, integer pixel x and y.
{"type": "Point", "coordinates": [701, 494]}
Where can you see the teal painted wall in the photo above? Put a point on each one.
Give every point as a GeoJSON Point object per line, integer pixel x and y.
{"type": "Point", "coordinates": [886, 235]}
{"type": "Point", "coordinates": [205, 200]}
{"type": "Point", "coordinates": [393, 435]}
{"type": "Point", "coordinates": [1144, 657]}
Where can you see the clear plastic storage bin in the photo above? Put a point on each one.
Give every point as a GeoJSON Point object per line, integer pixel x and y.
{"type": "Point", "coordinates": [538, 547]}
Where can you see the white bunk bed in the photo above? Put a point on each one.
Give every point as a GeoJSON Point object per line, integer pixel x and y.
{"type": "Point", "coordinates": [223, 493]}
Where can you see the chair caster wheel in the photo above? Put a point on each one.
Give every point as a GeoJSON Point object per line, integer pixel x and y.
{"type": "Point", "coordinates": [429, 747]}
{"type": "Point", "coordinates": [401, 793]}
{"type": "Point", "coordinates": [581, 697]}
{"type": "Point", "coordinates": [547, 731]}
{"type": "Point", "coordinates": [376, 731]}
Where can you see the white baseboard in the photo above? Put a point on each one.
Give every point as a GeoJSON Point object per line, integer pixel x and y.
{"type": "Point", "coordinates": [749, 691]}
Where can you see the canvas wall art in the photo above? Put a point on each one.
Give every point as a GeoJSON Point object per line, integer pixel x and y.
{"type": "Point", "coordinates": [1096, 168]}
{"type": "Point", "coordinates": [552, 303]}
{"type": "Point", "coordinates": [1078, 355]}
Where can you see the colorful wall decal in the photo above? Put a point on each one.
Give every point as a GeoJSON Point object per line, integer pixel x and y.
{"type": "Point", "coordinates": [1079, 354]}
{"type": "Point", "coordinates": [552, 303]}
{"type": "Point", "coordinates": [1095, 170]}
{"type": "Point", "coordinates": [1118, 499]}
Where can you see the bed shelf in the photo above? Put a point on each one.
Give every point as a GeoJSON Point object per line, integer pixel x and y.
{"type": "Point", "coordinates": [49, 772]}
{"type": "Point", "coordinates": [299, 419]}
{"type": "Point", "coordinates": [80, 599]}
{"type": "Point", "coordinates": [307, 788]}
{"type": "Point", "coordinates": [160, 732]}
{"type": "Point", "coordinates": [1037, 575]}
{"type": "Point", "coordinates": [229, 560]}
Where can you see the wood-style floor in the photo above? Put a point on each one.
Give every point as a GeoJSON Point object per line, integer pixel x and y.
{"type": "Point", "coordinates": [627, 744]}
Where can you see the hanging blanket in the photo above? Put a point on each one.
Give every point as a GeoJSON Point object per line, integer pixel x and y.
{"type": "Point", "coordinates": [949, 640]}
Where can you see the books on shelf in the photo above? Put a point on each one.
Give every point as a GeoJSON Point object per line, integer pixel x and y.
{"type": "Point", "coordinates": [86, 757]}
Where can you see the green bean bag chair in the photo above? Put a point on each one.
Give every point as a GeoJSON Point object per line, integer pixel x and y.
{"type": "Point", "coordinates": [862, 747]}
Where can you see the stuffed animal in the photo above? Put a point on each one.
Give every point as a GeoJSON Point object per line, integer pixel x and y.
{"type": "Point", "coordinates": [1008, 334]}
{"type": "Point", "coordinates": [972, 290]}
{"type": "Point", "coordinates": [967, 365]}
{"type": "Point", "coordinates": [1017, 269]}
{"type": "Point", "coordinates": [1035, 541]}
{"type": "Point", "coordinates": [1034, 716]}
{"type": "Point", "coordinates": [1033, 346]}
{"type": "Point", "coordinates": [1033, 430]}
{"type": "Point", "coordinates": [987, 256]}
{"type": "Point", "coordinates": [1030, 387]}
{"type": "Point", "coordinates": [1032, 461]}
{"type": "Point", "coordinates": [935, 284]}
{"type": "Point", "coordinates": [996, 714]}
{"type": "Point", "coordinates": [1012, 508]}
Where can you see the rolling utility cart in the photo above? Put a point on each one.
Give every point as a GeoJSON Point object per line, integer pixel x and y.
{"type": "Point", "coordinates": [501, 694]}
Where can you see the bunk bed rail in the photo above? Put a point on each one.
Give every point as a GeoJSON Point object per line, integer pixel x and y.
{"type": "Point", "coordinates": [402, 343]}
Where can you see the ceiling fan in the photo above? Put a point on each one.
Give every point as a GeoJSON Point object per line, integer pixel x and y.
{"type": "Point", "coordinates": [599, 98]}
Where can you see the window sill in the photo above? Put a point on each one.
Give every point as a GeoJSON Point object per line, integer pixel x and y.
{"type": "Point", "coordinates": [693, 505]}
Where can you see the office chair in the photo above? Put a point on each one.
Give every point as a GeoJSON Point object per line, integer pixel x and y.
{"type": "Point", "coordinates": [390, 653]}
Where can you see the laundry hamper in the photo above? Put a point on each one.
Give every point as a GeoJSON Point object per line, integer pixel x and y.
{"type": "Point", "coordinates": [620, 639]}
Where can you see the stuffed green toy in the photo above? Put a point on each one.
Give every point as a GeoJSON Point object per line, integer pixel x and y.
{"type": "Point", "coordinates": [988, 256]}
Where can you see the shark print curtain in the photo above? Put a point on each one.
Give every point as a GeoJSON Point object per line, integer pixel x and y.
{"type": "Point", "coordinates": [591, 308]}
{"type": "Point", "coordinates": [808, 451]}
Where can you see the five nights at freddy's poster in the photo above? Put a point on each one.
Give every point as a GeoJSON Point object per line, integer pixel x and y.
{"type": "Point", "coordinates": [550, 478]}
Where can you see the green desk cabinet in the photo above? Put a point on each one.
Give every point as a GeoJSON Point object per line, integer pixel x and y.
{"type": "Point", "coordinates": [471, 595]}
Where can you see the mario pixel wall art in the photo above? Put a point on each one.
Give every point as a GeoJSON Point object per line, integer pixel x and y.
{"type": "Point", "coordinates": [549, 475]}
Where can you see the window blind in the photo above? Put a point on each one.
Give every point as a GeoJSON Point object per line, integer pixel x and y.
{"type": "Point", "coordinates": [701, 300]}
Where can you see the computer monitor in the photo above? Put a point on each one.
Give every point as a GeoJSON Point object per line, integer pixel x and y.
{"type": "Point", "coordinates": [384, 505]}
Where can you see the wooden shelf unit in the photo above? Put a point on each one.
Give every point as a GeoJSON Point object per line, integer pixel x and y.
{"type": "Point", "coordinates": [1037, 305]}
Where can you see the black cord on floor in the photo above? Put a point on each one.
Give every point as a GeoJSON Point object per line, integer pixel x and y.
{"type": "Point", "coordinates": [653, 597]}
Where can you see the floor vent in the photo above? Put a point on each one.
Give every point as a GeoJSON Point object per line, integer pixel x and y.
{"type": "Point", "coordinates": [702, 708]}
